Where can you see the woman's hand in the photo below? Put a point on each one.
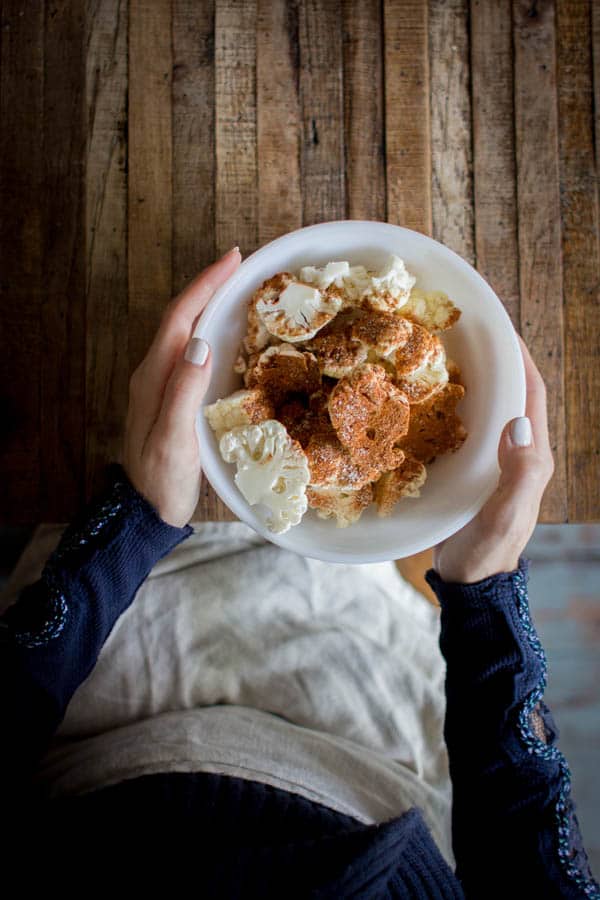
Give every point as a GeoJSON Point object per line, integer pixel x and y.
{"type": "Point", "coordinates": [161, 454]}
{"type": "Point", "coordinates": [493, 541]}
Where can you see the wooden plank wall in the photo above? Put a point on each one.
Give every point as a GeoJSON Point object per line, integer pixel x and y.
{"type": "Point", "coordinates": [179, 129]}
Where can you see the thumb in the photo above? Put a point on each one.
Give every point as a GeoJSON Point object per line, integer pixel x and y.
{"type": "Point", "coordinates": [185, 389]}
{"type": "Point", "coordinates": [519, 460]}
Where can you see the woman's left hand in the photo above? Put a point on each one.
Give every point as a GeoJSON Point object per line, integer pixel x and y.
{"type": "Point", "coordinates": [161, 455]}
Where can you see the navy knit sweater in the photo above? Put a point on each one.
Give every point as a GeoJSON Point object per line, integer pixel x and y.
{"type": "Point", "coordinates": [514, 829]}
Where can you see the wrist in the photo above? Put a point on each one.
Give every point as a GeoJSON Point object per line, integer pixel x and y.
{"type": "Point", "coordinates": [474, 570]}
{"type": "Point", "coordinates": [481, 592]}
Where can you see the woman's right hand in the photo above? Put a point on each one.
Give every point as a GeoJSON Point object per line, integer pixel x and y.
{"type": "Point", "coordinates": [493, 541]}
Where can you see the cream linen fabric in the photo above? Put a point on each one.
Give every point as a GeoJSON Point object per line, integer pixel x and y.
{"type": "Point", "coordinates": [239, 657]}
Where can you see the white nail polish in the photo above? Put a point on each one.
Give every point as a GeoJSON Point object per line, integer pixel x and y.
{"type": "Point", "coordinates": [520, 432]}
{"type": "Point", "coordinates": [197, 351]}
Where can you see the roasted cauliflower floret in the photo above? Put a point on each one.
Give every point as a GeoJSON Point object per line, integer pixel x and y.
{"type": "Point", "coordinates": [240, 408]}
{"type": "Point", "coordinates": [272, 471]}
{"type": "Point", "coordinates": [293, 311]}
{"type": "Point", "coordinates": [405, 481]}
{"type": "Point", "coordinates": [382, 332]}
{"type": "Point", "coordinates": [283, 370]}
{"type": "Point", "coordinates": [383, 291]}
{"type": "Point", "coordinates": [370, 416]}
{"type": "Point", "coordinates": [345, 506]}
{"type": "Point", "coordinates": [435, 428]}
{"type": "Point", "coordinates": [423, 371]}
{"type": "Point", "coordinates": [336, 349]}
{"type": "Point", "coordinates": [433, 310]}
{"type": "Point", "coordinates": [325, 276]}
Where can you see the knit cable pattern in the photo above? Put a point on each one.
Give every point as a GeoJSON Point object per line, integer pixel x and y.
{"type": "Point", "coordinates": [571, 852]}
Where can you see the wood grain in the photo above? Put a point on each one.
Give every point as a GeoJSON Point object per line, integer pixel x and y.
{"type": "Point", "coordinates": [595, 13]}
{"type": "Point", "coordinates": [581, 262]}
{"type": "Point", "coordinates": [495, 191]}
{"type": "Point", "coordinates": [236, 194]}
{"type": "Point", "coordinates": [194, 165]}
{"type": "Point", "coordinates": [407, 114]}
{"type": "Point", "coordinates": [21, 260]}
{"type": "Point", "coordinates": [62, 310]}
{"type": "Point", "coordinates": [451, 155]}
{"type": "Point", "coordinates": [322, 110]}
{"type": "Point", "coordinates": [540, 267]}
{"type": "Point", "coordinates": [136, 138]}
{"type": "Point", "coordinates": [278, 119]}
{"type": "Point", "coordinates": [107, 363]}
{"type": "Point", "coordinates": [193, 139]}
{"type": "Point", "coordinates": [363, 110]}
{"type": "Point", "coordinates": [235, 85]}
{"type": "Point", "coordinates": [150, 169]}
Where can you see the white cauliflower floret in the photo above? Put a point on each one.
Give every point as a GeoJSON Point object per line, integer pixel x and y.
{"type": "Point", "coordinates": [323, 277]}
{"type": "Point", "coordinates": [426, 378]}
{"type": "Point", "coordinates": [344, 505]}
{"type": "Point", "coordinates": [386, 290]}
{"type": "Point", "coordinates": [433, 310]}
{"type": "Point", "coordinates": [294, 311]}
{"type": "Point", "coordinates": [272, 470]}
{"type": "Point", "coordinates": [240, 408]}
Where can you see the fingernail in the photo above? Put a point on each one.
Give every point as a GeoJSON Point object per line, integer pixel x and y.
{"type": "Point", "coordinates": [230, 251]}
{"type": "Point", "coordinates": [196, 351]}
{"type": "Point", "coordinates": [520, 432]}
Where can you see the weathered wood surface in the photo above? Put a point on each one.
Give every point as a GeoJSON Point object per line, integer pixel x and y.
{"type": "Point", "coordinates": [538, 203]}
{"type": "Point", "coordinates": [321, 111]}
{"type": "Point", "coordinates": [364, 132]}
{"type": "Point", "coordinates": [494, 172]}
{"type": "Point", "coordinates": [107, 310]}
{"type": "Point", "coordinates": [150, 195]}
{"type": "Point", "coordinates": [581, 261]}
{"type": "Point", "coordinates": [22, 228]}
{"type": "Point", "coordinates": [451, 149]}
{"type": "Point", "coordinates": [176, 130]}
{"type": "Point", "coordinates": [407, 114]}
{"type": "Point", "coordinates": [63, 299]}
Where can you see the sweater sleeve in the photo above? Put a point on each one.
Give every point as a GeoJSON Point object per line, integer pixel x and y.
{"type": "Point", "coordinates": [514, 828]}
{"type": "Point", "coordinates": [50, 638]}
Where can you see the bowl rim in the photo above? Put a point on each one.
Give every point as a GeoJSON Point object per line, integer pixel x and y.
{"type": "Point", "coordinates": [234, 499]}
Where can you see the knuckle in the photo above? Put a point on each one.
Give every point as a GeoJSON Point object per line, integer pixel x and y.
{"type": "Point", "coordinates": [180, 390]}
{"type": "Point", "coordinates": [134, 382]}
{"type": "Point", "coordinates": [549, 467]}
{"type": "Point", "coordinates": [541, 470]}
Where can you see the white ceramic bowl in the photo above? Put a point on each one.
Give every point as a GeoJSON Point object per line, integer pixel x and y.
{"type": "Point", "coordinates": [483, 343]}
